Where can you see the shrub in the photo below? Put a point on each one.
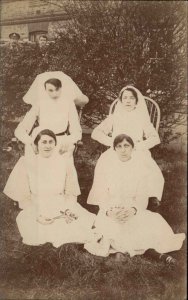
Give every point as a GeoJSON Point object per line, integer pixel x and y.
{"type": "Point", "coordinates": [106, 45]}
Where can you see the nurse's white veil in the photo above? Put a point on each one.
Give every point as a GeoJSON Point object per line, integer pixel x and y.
{"type": "Point", "coordinates": [70, 90]}
{"type": "Point", "coordinates": [141, 104]}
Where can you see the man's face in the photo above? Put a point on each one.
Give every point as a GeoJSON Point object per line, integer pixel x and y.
{"type": "Point", "coordinates": [42, 41]}
{"type": "Point", "coordinates": [46, 146]}
{"type": "Point", "coordinates": [14, 40]}
{"type": "Point", "coordinates": [52, 91]}
{"type": "Point", "coordinates": [124, 150]}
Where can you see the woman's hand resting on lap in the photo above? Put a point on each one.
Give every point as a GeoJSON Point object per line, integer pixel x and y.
{"type": "Point", "coordinates": [44, 220]}
{"type": "Point", "coordinates": [121, 214]}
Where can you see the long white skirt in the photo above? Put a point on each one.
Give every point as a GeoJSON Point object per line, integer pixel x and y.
{"type": "Point", "coordinates": [146, 230]}
{"type": "Point", "coordinates": [59, 232]}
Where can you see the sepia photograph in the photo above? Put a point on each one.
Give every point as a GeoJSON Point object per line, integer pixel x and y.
{"type": "Point", "coordinates": [93, 150]}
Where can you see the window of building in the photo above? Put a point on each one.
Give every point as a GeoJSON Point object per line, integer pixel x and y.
{"type": "Point", "coordinates": [34, 35]}
{"type": "Point", "coordinates": [36, 29]}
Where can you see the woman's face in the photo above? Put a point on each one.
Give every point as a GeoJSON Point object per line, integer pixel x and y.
{"type": "Point", "coordinates": [52, 91]}
{"type": "Point", "coordinates": [46, 146]}
{"type": "Point", "coordinates": [128, 100]}
{"type": "Point", "coordinates": [124, 150]}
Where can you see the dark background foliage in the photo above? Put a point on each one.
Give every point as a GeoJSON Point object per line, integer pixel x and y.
{"type": "Point", "coordinates": [106, 45]}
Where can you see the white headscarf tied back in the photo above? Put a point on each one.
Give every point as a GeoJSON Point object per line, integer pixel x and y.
{"type": "Point", "coordinates": [37, 91]}
{"type": "Point", "coordinates": [141, 104]}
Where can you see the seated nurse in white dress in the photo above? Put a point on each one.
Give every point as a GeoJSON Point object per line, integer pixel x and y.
{"type": "Point", "coordinates": [132, 118]}
{"type": "Point", "coordinates": [48, 193]}
{"type": "Point", "coordinates": [121, 192]}
{"type": "Point", "coordinates": [53, 96]}
{"type": "Point", "coordinates": [18, 187]}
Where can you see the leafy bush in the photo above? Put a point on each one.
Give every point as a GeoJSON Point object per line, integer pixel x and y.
{"type": "Point", "coordinates": [106, 45]}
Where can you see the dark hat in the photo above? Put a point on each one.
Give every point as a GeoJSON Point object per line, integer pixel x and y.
{"type": "Point", "coordinates": [14, 35]}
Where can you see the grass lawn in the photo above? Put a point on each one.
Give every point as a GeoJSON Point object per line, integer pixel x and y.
{"type": "Point", "coordinates": [71, 273]}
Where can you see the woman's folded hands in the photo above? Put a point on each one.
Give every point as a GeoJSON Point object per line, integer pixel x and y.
{"type": "Point", "coordinates": [120, 214]}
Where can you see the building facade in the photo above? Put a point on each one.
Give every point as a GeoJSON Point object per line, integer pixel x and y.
{"type": "Point", "coordinates": [30, 18]}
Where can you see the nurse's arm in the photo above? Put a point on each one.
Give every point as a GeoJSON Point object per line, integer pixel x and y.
{"type": "Point", "coordinates": [25, 126]}
{"type": "Point", "coordinates": [102, 131]}
{"type": "Point", "coordinates": [140, 201]}
{"type": "Point", "coordinates": [72, 188]}
{"type": "Point", "coordinates": [151, 135]}
{"type": "Point", "coordinates": [81, 100]}
{"type": "Point", "coordinates": [99, 193]}
{"type": "Point", "coordinates": [74, 125]}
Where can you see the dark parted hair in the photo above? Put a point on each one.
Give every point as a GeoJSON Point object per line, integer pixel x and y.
{"type": "Point", "coordinates": [130, 90]}
{"type": "Point", "coordinates": [55, 82]}
{"type": "Point", "coordinates": [44, 36]}
{"type": "Point", "coordinates": [45, 132]}
{"type": "Point", "coordinates": [119, 138]}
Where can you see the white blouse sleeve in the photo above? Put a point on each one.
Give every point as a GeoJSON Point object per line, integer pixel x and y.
{"type": "Point", "coordinates": [74, 124]}
{"type": "Point", "coordinates": [17, 186]}
{"type": "Point", "coordinates": [141, 197]}
{"type": "Point", "coordinates": [151, 135]}
{"type": "Point", "coordinates": [99, 192]}
{"type": "Point", "coordinates": [79, 98]}
{"type": "Point", "coordinates": [72, 187]}
{"type": "Point", "coordinates": [73, 92]}
{"type": "Point", "coordinates": [24, 127]}
{"type": "Point", "coordinates": [101, 132]}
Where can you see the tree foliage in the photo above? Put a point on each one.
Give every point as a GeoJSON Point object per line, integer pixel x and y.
{"type": "Point", "coordinates": [106, 45]}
